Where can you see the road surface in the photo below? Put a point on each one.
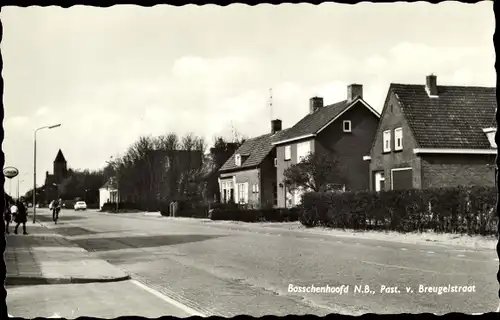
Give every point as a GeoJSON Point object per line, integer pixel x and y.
{"type": "Point", "coordinates": [217, 269]}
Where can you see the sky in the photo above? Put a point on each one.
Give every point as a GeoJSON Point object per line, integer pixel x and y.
{"type": "Point", "coordinates": [111, 75]}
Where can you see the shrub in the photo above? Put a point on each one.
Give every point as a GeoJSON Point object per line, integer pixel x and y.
{"type": "Point", "coordinates": [451, 210]}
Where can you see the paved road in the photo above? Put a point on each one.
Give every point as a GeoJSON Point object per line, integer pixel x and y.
{"type": "Point", "coordinates": [229, 270]}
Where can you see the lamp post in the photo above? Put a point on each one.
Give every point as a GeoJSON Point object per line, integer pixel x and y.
{"type": "Point", "coordinates": [34, 167]}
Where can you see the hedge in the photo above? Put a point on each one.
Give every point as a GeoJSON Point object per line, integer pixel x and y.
{"type": "Point", "coordinates": [235, 213]}
{"type": "Point", "coordinates": [111, 206]}
{"type": "Point", "coordinates": [451, 210]}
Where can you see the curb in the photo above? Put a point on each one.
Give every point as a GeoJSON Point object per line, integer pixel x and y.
{"type": "Point", "coordinates": [26, 281]}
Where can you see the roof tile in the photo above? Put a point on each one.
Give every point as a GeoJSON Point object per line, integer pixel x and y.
{"type": "Point", "coordinates": [256, 149]}
{"type": "Point", "coordinates": [453, 120]}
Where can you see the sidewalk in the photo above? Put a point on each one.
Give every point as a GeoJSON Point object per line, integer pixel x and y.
{"type": "Point", "coordinates": [44, 257]}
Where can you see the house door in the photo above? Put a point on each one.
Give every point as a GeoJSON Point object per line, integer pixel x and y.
{"type": "Point", "coordinates": [402, 178]}
{"type": "Point", "coordinates": [379, 181]}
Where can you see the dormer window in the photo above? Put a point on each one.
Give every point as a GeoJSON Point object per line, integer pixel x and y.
{"type": "Point", "coordinates": [347, 125]}
{"type": "Point", "coordinates": [237, 159]}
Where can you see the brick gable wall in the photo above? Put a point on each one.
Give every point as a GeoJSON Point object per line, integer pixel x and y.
{"type": "Point", "coordinates": [454, 170]}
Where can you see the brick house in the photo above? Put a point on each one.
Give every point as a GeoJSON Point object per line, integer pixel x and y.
{"type": "Point", "coordinates": [249, 175]}
{"type": "Point", "coordinates": [345, 128]}
{"type": "Point", "coordinates": [434, 136]}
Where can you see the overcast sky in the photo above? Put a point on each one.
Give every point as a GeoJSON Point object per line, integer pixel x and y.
{"type": "Point", "coordinates": [110, 75]}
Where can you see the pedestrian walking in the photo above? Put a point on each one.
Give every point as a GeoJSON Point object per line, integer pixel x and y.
{"type": "Point", "coordinates": [21, 217]}
{"type": "Point", "coordinates": [7, 216]}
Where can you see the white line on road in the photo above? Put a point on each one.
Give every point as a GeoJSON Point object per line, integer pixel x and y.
{"type": "Point", "coordinates": [430, 251]}
{"type": "Point", "coordinates": [396, 266]}
{"type": "Point", "coordinates": [404, 249]}
{"type": "Point", "coordinates": [461, 255]}
{"type": "Point", "coordinates": [168, 300]}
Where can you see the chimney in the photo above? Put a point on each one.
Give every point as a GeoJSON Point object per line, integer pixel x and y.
{"type": "Point", "coordinates": [275, 126]}
{"type": "Point", "coordinates": [315, 103]}
{"type": "Point", "coordinates": [431, 85]}
{"type": "Point", "coordinates": [354, 91]}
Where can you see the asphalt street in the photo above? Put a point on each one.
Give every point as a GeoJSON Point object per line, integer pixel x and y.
{"type": "Point", "coordinates": [223, 269]}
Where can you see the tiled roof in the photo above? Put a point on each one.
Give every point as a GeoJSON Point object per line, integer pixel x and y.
{"type": "Point", "coordinates": [453, 120]}
{"type": "Point", "coordinates": [311, 123]}
{"type": "Point", "coordinates": [256, 150]}
{"type": "Point", "coordinates": [60, 157]}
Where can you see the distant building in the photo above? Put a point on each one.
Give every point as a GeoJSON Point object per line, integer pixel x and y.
{"type": "Point", "coordinates": [52, 181]}
{"type": "Point", "coordinates": [249, 176]}
{"type": "Point", "coordinates": [108, 193]}
{"type": "Point", "coordinates": [435, 136]}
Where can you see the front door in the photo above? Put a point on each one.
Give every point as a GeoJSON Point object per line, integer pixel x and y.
{"type": "Point", "coordinates": [379, 181]}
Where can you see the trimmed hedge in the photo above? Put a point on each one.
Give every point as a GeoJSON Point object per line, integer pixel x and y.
{"type": "Point", "coordinates": [450, 210]}
{"type": "Point", "coordinates": [234, 213]}
{"type": "Point", "coordinates": [111, 206]}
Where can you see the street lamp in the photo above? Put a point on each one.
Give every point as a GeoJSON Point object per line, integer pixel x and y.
{"type": "Point", "coordinates": [34, 167]}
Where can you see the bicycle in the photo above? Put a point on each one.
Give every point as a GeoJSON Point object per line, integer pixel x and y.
{"type": "Point", "coordinates": [55, 214]}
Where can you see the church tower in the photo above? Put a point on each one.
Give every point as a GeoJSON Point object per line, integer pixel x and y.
{"type": "Point", "coordinates": [60, 168]}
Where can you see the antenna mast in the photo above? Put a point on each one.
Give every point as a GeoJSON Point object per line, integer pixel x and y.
{"type": "Point", "coordinates": [271, 102]}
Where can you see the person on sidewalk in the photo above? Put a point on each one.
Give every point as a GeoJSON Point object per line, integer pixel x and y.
{"type": "Point", "coordinates": [21, 217]}
{"type": "Point", "coordinates": [7, 216]}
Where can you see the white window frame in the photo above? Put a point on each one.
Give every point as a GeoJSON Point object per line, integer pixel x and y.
{"type": "Point", "coordinates": [257, 188]}
{"type": "Point", "coordinates": [288, 153]}
{"type": "Point", "coordinates": [276, 162]}
{"type": "Point", "coordinates": [301, 154]}
{"type": "Point", "coordinates": [243, 193]}
{"type": "Point", "coordinates": [237, 160]}
{"type": "Point", "coordinates": [398, 136]}
{"type": "Point", "coordinates": [386, 138]}
{"type": "Point", "coordinates": [348, 122]}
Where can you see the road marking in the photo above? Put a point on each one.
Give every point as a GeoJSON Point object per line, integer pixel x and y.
{"type": "Point", "coordinates": [396, 266]}
{"type": "Point", "coordinates": [177, 304]}
{"type": "Point", "coordinates": [461, 255]}
{"type": "Point", "coordinates": [430, 251]}
{"type": "Point", "coordinates": [404, 249]}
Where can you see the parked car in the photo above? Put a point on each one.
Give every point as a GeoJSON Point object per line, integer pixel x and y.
{"type": "Point", "coordinates": [80, 205]}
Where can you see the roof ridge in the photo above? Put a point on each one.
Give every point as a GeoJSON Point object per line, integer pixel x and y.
{"type": "Point", "coordinates": [441, 85]}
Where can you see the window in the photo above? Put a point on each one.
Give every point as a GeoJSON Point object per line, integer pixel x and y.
{"type": "Point", "coordinates": [347, 125]}
{"type": "Point", "coordinates": [288, 152]}
{"type": "Point", "coordinates": [387, 141]}
{"type": "Point", "coordinates": [275, 162]}
{"type": "Point", "coordinates": [237, 160]}
{"type": "Point", "coordinates": [243, 192]}
{"type": "Point", "coordinates": [303, 150]}
{"type": "Point", "coordinates": [398, 138]}
{"type": "Point", "coordinates": [255, 188]}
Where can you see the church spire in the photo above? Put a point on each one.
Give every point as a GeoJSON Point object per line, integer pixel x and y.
{"type": "Point", "coordinates": [60, 157]}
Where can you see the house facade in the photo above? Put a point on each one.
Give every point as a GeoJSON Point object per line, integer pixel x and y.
{"type": "Point", "coordinates": [346, 129]}
{"type": "Point", "coordinates": [249, 176]}
{"type": "Point", "coordinates": [434, 136]}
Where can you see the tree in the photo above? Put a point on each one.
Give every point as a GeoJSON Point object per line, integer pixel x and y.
{"type": "Point", "coordinates": [317, 172]}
